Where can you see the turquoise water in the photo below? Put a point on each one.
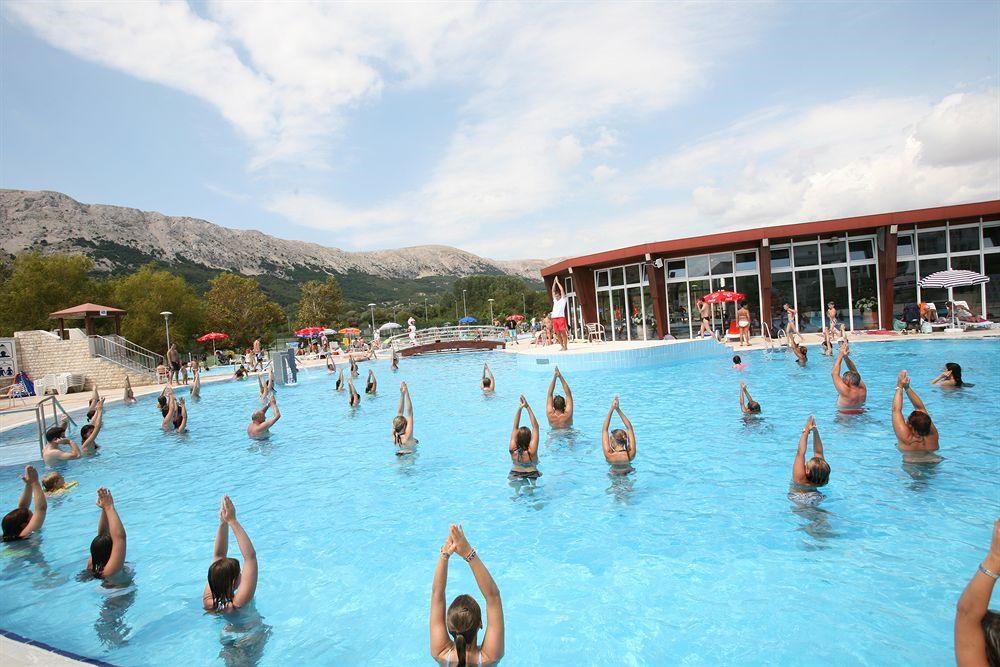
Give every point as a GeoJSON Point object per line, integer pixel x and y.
{"type": "Point", "coordinates": [697, 558]}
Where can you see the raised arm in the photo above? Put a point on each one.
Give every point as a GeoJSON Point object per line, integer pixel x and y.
{"type": "Point", "coordinates": [182, 409]}
{"type": "Point", "coordinates": [799, 464]}
{"type": "Point", "coordinates": [248, 574]}
{"type": "Point", "coordinates": [917, 403]}
{"type": "Point", "coordinates": [440, 641]}
{"type": "Point", "coordinates": [838, 381]}
{"type": "Point", "coordinates": [970, 640]}
{"type": "Point", "coordinates": [628, 429]}
{"type": "Point", "coordinates": [168, 419]}
{"type": "Point", "coordinates": [402, 399]}
{"type": "Point", "coordinates": [517, 423]}
{"type": "Point", "coordinates": [74, 452]}
{"type": "Point", "coordinates": [552, 389]}
{"type": "Point", "coordinates": [533, 447]}
{"type": "Point", "coordinates": [898, 420]}
{"type": "Point", "coordinates": [409, 412]}
{"type": "Point", "coordinates": [569, 394]}
{"type": "Point", "coordinates": [817, 443]}
{"type": "Point", "coordinates": [220, 551]}
{"type": "Point", "coordinates": [276, 413]}
{"type": "Point", "coordinates": [41, 505]}
{"type": "Point", "coordinates": [743, 394]}
{"type": "Point", "coordinates": [97, 421]}
{"type": "Point", "coordinates": [492, 648]}
{"type": "Point", "coordinates": [113, 526]}
{"type": "Point", "coordinates": [606, 429]}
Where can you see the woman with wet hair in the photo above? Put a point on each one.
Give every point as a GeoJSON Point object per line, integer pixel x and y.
{"type": "Point", "coordinates": [89, 432]}
{"type": "Point", "coordinates": [353, 397]}
{"type": "Point", "coordinates": [129, 393]}
{"type": "Point", "coordinates": [950, 377]}
{"type": "Point", "coordinates": [228, 587]}
{"type": "Point", "coordinates": [402, 426]}
{"type": "Point", "coordinates": [809, 476]}
{"type": "Point", "coordinates": [372, 385]}
{"type": "Point", "coordinates": [523, 446]}
{"type": "Point", "coordinates": [977, 627]}
{"type": "Point", "coordinates": [196, 385]}
{"type": "Point", "coordinates": [340, 379]}
{"type": "Point", "coordinates": [748, 406]}
{"type": "Point", "coordinates": [21, 522]}
{"type": "Point", "coordinates": [619, 445]}
{"type": "Point", "coordinates": [916, 433]}
{"type": "Point", "coordinates": [454, 634]}
{"type": "Point", "coordinates": [107, 550]}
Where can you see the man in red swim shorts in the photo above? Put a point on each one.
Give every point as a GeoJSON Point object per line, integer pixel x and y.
{"type": "Point", "coordinates": [559, 314]}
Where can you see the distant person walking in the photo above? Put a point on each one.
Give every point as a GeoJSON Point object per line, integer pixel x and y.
{"type": "Point", "coordinates": [706, 317]}
{"type": "Point", "coordinates": [743, 322]}
{"type": "Point", "coordinates": [411, 327]}
{"type": "Point", "coordinates": [559, 301]}
{"type": "Point", "coordinates": [174, 360]}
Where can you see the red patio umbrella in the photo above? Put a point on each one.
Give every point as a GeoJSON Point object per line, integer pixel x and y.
{"type": "Point", "coordinates": [309, 332]}
{"type": "Point", "coordinates": [212, 336]}
{"type": "Point", "coordinates": [723, 296]}
{"type": "Point", "coordinates": [516, 317]}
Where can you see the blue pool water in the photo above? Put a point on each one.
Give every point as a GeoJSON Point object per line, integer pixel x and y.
{"type": "Point", "coordinates": [697, 558]}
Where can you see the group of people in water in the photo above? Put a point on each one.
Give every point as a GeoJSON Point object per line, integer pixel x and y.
{"type": "Point", "coordinates": [454, 633]}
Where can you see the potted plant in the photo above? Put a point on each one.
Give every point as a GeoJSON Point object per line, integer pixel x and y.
{"type": "Point", "coordinates": [867, 303]}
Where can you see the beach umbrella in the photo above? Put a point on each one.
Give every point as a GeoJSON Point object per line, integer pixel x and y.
{"type": "Point", "coordinates": [213, 336]}
{"type": "Point", "coordinates": [309, 332]}
{"type": "Point", "coordinates": [516, 317]}
{"type": "Point", "coordinates": [951, 279]}
{"type": "Point", "coordinates": [350, 331]}
{"type": "Point", "coordinates": [389, 325]}
{"type": "Point", "coordinates": [723, 296]}
{"type": "Point", "coordinates": [468, 319]}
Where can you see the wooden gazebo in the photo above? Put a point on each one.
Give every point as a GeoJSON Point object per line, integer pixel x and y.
{"type": "Point", "coordinates": [88, 312]}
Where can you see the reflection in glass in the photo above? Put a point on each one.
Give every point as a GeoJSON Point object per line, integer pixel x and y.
{"type": "Point", "coordinates": [602, 278]}
{"type": "Point", "coordinates": [992, 269]}
{"type": "Point", "coordinates": [697, 266]}
{"type": "Point", "coordinates": [904, 287]}
{"type": "Point", "coordinates": [746, 261]}
{"type": "Point", "coordinates": [904, 245]}
{"type": "Point", "coordinates": [649, 321]}
{"type": "Point", "coordinates": [780, 258]}
{"type": "Point", "coordinates": [632, 274]}
{"type": "Point", "coordinates": [698, 289]}
{"type": "Point", "coordinates": [864, 289]}
{"type": "Point", "coordinates": [781, 293]}
{"type": "Point", "coordinates": [971, 294]}
{"type": "Point", "coordinates": [807, 254]}
{"type": "Point", "coordinates": [810, 305]}
{"type": "Point", "coordinates": [834, 252]}
{"type": "Point", "coordinates": [835, 290]}
{"type": "Point", "coordinates": [722, 263]}
{"type": "Point", "coordinates": [604, 312]}
{"type": "Point", "coordinates": [931, 243]}
{"type": "Point", "coordinates": [633, 313]}
{"type": "Point", "coordinates": [676, 269]}
{"type": "Point", "coordinates": [935, 296]}
{"type": "Point", "coordinates": [991, 237]}
{"type": "Point", "coordinates": [964, 238]}
{"type": "Point", "coordinates": [862, 250]}
{"type": "Point", "coordinates": [617, 276]}
{"type": "Point", "coordinates": [619, 314]}
{"type": "Point", "coordinates": [678, 313]}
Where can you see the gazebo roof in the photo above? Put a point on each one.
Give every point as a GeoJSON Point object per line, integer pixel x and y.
{"type": "Point", "coordinates": [86, 310]}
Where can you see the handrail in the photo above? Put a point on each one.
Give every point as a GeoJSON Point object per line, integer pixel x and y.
{"type": "Point", "coordinates": [125, 353]}
{"type": "Point", "coordinates": [766, 330]}
{"type": "Point", "coordinates": [439, 334]}
{"type": "Point", "coordinates": [41, 418]}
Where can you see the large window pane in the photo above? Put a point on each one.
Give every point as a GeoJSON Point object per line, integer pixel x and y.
{"type": "Point", "coordinates": [806, 255]}
{"type": "Point", "coordinates": [698, 289]}
{"type": "Point", "coordinates": [619, 314]}
{"type": "Point", "coordinates": [971, 294]}
{"type": "Point", "coordinates": [991, 237]}
{"type": "Point", "coordinates": [678, 314]}
{"type": "Point", "coordinates": [964, 238]}
{"type": "Point", "coordinates": [633, 299]}
{"type": "Point", "coordinates": [676, 269]}
{"type": "Point", "coordinates": [569, 286]}
{"type": "Point", "coordinates": [722, 282]}
{"type": "Point", "coordinates": [722, 263]}
{"type": "Point", "coordinates": [649, 321]}
{"type": "Point", "coordinates": [748, 285]}
{"type": "Point", "coordinates": [904, 245]}
{"type": "Point", "coordinates": [617, 277]}
{"type": "Point", "coordinates": [935, 296]}
{"type": "Point", "coordinates": [862, 250]}
{"type": "Point", "coordinates": [602, 278]}
{"type": "Point", "coordinates": [781, 293]}
{"type": "Point", "coordinates": [780, 258]}
{"type": "Point", "coordinates": [698, 266]}
{"type": "Point", "coordinates": [904, 287]}
{"type": "Point", "coordinates": [834, 252]}
{"type": "Point", "coordinates": [604, 313]}
{"type": "Point", "coordinates": [864, 290]}
{"type": "Point", "coordinates": [632, 274]}
{"type": "Point", "coordinates": [931, 243]}
{"type": "Point", "coordinates": [835, 291]}
{"type": "Point", "coordinates": [746, 261]}
{"type": "Point", "coordinates": [992, 269]}
{"type": "Point", "coordinates": [810, 305]}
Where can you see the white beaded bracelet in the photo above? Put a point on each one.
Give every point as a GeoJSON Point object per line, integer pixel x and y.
{"type": "Point", "coordinates": [989, 573]}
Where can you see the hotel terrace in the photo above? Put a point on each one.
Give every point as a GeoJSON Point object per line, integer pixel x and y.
{"type": "Point", "coordinates": [869, 266]}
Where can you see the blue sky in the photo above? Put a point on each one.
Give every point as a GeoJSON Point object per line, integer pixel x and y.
{"type": "Point", "coordinates": [511, 130]}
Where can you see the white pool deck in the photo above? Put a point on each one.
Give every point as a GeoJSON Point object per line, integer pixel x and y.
{"type": "Point", "coordinates": [18, 654]}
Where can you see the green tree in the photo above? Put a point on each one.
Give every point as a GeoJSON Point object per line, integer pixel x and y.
{"type": "Point", "coordinates": [40, 284]}
{"type": "Point", "coordinates": [148, 292]}
{"type": "Point", "coordinates": [237, 306]}
{"type": "Point", "coordinates": [321, 303]}
{"type": "Point", "coordinates": [510, 295]}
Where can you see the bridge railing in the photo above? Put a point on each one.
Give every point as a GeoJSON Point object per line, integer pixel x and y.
{"type": "Point", "coordinates": [125, 353]}
{"type": "Point", "coordinates": [444, 334]}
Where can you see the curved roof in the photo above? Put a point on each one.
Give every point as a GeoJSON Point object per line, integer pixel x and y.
{"type": "Point", "coordinates": [85, 310]}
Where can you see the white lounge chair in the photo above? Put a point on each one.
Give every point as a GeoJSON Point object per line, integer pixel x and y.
{"type": "Point", "coordinates": [14, 392]}
{"type": "Point", "coordinates": [595, 332]}
{"type": "Point", "coordinates": [972, 324]}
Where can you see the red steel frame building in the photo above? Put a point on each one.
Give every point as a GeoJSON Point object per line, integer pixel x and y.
{"type": "Point", "coordinates": [869, 265]}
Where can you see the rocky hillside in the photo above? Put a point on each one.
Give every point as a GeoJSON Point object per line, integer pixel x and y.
{"type": "Point", "coordinates": [120, 238]}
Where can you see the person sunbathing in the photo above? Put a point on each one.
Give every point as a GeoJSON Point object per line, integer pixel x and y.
{"type": "Point", "coordinates": [523, 445]}
{"type": "Point", "coordinates": [230, 586]}
{"type": "Point", "coordinates": [809, 476]}
{"type": "Point", "coordinates": [402, 426]}
{"type": "Point", "coordinates": [21, 522]}
{"type": "Point", "coordinates": [559, 409]}
{"type": "Point", "coordinates": [107, 550]}
{"type": "Point", "coordinates": [455, 633]}
{"type": "Point", "coordinates": [916, 433]}
{"type": "Point", "coordinates": [619, 445]}
{"type": "Point", "coordinates": [259, 423]}
{"type": "Point", "coordinates": [851, 388]}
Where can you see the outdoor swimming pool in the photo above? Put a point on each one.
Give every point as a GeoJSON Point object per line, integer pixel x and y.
{"type": "Point", "coordinates": [697, 558]}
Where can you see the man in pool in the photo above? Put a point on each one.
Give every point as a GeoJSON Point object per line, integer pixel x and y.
{"type": "Point", "coordinates": [259, 424]}
{"type": "Point", "coordinates": [559, 410]}
{"type": "Point", "coordinates": [850, 386]}
{"type": "Point", "coordinates": [488, 383]}
{"type": "Point", "coordinates": [799, 350]}
{"type": "Point", "coordinates": [52, 452]}
{"type": "Point", "coordinates": [916, 433]}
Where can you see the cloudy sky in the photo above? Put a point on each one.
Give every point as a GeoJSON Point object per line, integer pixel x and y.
{"type": "Point", "coordinates": [511, 130]}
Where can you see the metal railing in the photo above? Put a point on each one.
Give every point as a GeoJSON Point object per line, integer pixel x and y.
{"type": "Point", "coordinates": [125, 353]}
{"type": "Point", "coordinates": [42, 409]}
{"type": "Point", "coordinates": [444, 334]}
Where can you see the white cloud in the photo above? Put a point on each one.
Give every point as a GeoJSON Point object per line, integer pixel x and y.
{"type": "Point", "coordinates": [602, 173]}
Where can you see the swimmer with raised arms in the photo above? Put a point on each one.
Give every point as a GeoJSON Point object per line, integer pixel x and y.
{"type": "Point", "coordinates": [402, 426]}
{"type": "Point", "coordinates": [809, 476]}
{"type": "Point", "coordinates": [619, 446]}
{"type": "Point", "coordinates": [229, 586]}
{"type": "Point", "coordinates": [259, 423]}
{"type": "Point", "coordinates": [558, 409]}
{"type": "Point", "coordinates": [523, 446]}
{"type": "Point", "coordinates": [488, 383]}
{"type": "Point", "coordinates": [850, 387]}
{"type": "Point", "coordinates": [916, 433]}
{"type": "Point", "coordinates": [107, 550]}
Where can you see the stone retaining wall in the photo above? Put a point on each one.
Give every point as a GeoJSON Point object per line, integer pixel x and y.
{"type": "Point", "coordinates": [41, 353]}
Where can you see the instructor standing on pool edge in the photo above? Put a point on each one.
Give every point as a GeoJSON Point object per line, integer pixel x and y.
{"type": "Point", "coordinates": [559, 314]}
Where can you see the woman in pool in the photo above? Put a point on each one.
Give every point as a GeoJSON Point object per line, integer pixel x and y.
{"type": "Point", "coordinates": [129, 394]}
{"type": "Point", "coordinates": [523, 446]}
{"type": "Point", "coordinates": [826, 347]}
{"type": "Point", "coordinates": [241, 373]}
{"type": "Point", "coordinates": [196, 385]}
{"type": "Point", "coordinates": [340, 379]}
{"type": "Point", "coordinates": [916, 433]}
{"type": "Point", "coordinates": [809, 476]}
{"type": "Point", "coordinates": [19, 523]}
{"type": "Point", "coordinates": [464, 620]}
{"type": "Point", "coordinates": [354, 367]}
{"type": "Point", "coordinates": [748, 406]}
{"type": "Point", "coordinates": [738, 364]}
{"type": "Point", "coordinates": [743, 322]}
{"type": "Point", "coordinates": [488, 383]}
{"type": "Point", "coordinates": [950, 377]}
{"type": "Point", "coordinates": [353, 397]}
{"type": "Point", "coordinates": [89, 432]}
{"type": "Point", "coordinates": [395, 360]}
{"type": "Point", "coordinates": [229, 588]}
{"type": "Point", "coordinates": [402, 426]}
{"type": "Point", "coordinates": [619, 446]}
{"type": "Point", "coordinates": [372, 385]}
{"type": "Point", "coordinates": [107, 550]}
{"type": "Point", "coordinates": [977, 627]}
{"type": "Point", "coordinates": [799, 350]}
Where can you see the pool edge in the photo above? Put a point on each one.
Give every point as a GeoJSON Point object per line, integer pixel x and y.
{"type": "Point", "coordinates": [17, 650]}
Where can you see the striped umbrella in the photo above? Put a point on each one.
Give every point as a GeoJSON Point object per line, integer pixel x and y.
{"type": "Point", "coordinates": [950, 279]}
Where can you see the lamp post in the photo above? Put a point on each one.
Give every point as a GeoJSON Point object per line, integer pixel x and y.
{"type": "Point", "coordinates": [166, 322]}
{"type": "Point", "coordinates": [425, 311]}
{"type": "Point", "coordinates": [524, 303]}
{"type": "Point", "coordinates": [491, 311]}
{"type": "Point", "coordinates": [465, 308]}
{"type": "Point", "coordinates": [372, 306]}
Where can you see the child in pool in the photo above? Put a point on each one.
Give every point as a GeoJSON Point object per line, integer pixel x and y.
{"type": "Point", "coordinates": [56, 485]}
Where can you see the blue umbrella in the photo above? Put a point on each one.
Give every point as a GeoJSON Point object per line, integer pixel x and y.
{"type": "Point", "coordinates": [468, 320]}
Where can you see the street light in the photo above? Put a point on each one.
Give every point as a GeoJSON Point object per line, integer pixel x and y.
{"type": "Point", "coordinates": [372, 306]}
{"type": "Point", "coordinates": [425, 312]}
{"type": "Point", "coordinates": [524, 302]}
{"type": "Point", "coordinates": [465, 308]}
{"type": "Point", "coordinates": [491, 310]}
{"type": "Point", "coordinates": [166, 321]}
